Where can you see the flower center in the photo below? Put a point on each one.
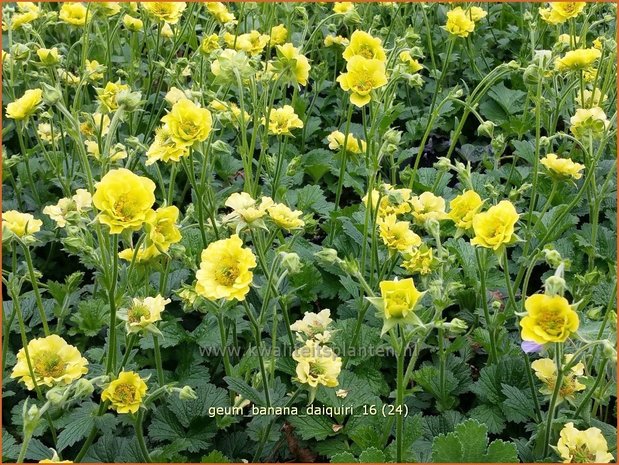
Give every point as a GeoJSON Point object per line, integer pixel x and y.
{"type": "Point", "coordinates": [136, 313]}
{"type": "Point", "coordinates": [122, 208]}
{"type": "Point", "coordinates": [125, 393]}
{"type": "Point", "coordinates": [227, 274]}
{"type": "Point", "coordinates": [552, 322]}
{"type": "Point", "coordinates": [48, 364]}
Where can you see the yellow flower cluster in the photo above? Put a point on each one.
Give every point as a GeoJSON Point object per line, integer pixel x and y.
{"type": "Point", "coordinates": [27, 13]}
{"type": "Point", "coordinates": [365, 67]}
{"type": "Point", "coordinates": [461, 23]}
{"type": "Point", "coordinates": [68, 209]}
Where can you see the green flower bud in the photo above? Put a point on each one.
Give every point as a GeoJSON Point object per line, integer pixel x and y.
{"type": "Point", "coordinates": [291, 262]}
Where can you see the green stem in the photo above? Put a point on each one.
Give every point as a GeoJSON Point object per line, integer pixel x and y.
{"type": "Point", "coordinates": [157, 350]}
{"type": "Point", "coordinates": [258, 341]}
{"type": "Point", "coordinates": [139, 433]}
{"type": "Point", "coordinates": [111, 355]}
{"type": "Point", "coordinates": [484, 300]}
{"type": "Point", "coordinates": [399, 432]}
{"type": "Point", "coordinates": [35, 287]}
{"type": "Point", "coordinates": [224, 345]}
{"type": "Point", "coordinates": [555, 396]}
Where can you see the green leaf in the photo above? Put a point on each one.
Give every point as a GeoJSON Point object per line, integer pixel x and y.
{"type": "Point", "coordinates": [474, 437]}
{"type": "Point", "coordinates": [489, 415]}
{"type": "Point", "coordinates": [372, 455]}
{"type": "Point", "coordinates": [241, 387]}
{"type": "Point", "coordinates": [79, 424]}
{"type": "Point", "coordinates": [518, 405]}
{"type": "Point", "coordinates": [343, 457]}
{"type": "Point", "coordinates": [215, 457]}
{"type": "Point", "coordinates": [312, 426]}
{"type": "Point", "coordinates": [501, 452]}
{"type": "Point", "coordinates": [10, 448]}
{"type": "Point", "coordinates": [447, 448]}
{"type": "Point", "coordinates": [311, 198]}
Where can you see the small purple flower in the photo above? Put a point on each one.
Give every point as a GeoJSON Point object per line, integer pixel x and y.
{"type": "Point", "coordinates": [530, 347]}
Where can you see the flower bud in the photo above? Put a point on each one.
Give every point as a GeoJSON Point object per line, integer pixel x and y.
{"type": "Point", "coordinates": [20, 52]}
{"type": "Point", "coordinates": [555, 285]}
{"type": "Point", "coordinates": [83, 388]}
{"type": "Point", "coordinates": [31, 417]}
{"type": "Point", "coordinates": [553, 257]}
{"type": "Point", "coordinates": [129, 100]}
{"type": "Point", "coordinates": [486, 129]}
{"type": "Point", "coordinates": [56, 396]}
{"type": "Point", "coordinates": [291, 262]}
{"type": "Point", "coordinates": [609, 351]}
{"type": "Point", "coordinates": [51, 95]}
{"type": "Point", "coordinates": [329, 256]}
{"type": "Point", "coordinates": [186, 393]}
{"type": "Point", "coordinates": [456, 326]}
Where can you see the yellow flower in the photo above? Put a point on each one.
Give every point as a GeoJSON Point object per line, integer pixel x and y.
{"type": "Point", "coordinates": [428, 206]}
{"type": "Point", "coordinates": [343, 7]}
{"type": "Point", "coordinates": [25, 106]}
{"type": "Point", "coordinates": [166, 31]}
{"type": "Point", "coordinates": [589, 122]}
{"type": "Point", "coordinates": [61, 212]}
{"type": "Point", "coordinates": [107, 8]}
{"type": "Point", "coordinates": [225, 270]}
{"type": "Point", "coordinates": [463, 209]}
{"type": "Point", "coordinates": [143, 313]}
{"type": "Point", "coordinates": [165, 147]}
{"type": "Point", "coordinates": [295, 63]}
{"type": "Point", "coordinates": [96, 125]}
{"type": "Point", "coordinates": [285, 218]}
{"type": "Point", "coordinates": [397, 235]}
{"type": "Point", "coordinates": [107, 95]}
{"type": "Point", "coordinates": [546, 371]}
{"type": "Point", "coordinates": [54, 459]}
{"type": "Point", "coordinates": [48, 56]}
{"type": "Point", "coordinates": [476, 13]}
{"type": "Point", "coordinates": [353, 145]}
{"type": "Point", "coordinates": [162, 229]}
{"type": "Point", "coordinates": [283, 120]}
{"type": "Point", "coordinates": [245, 210]}
{"type": "Point", "coordinates": [549, 319]}
{"type": "Point", "coordinates": [578, 59]}
{"type": "Point", "coordinates": [363, 75]}
{"type": "Point", "coordinates": [94, 70]}
{"type": "Point", "coordinates": [495, 227]}
{"type": "Point", "coordinates": [133, 24]}
{"type": "Point", "coordinates": [188, 123]}
{"type": "Point", "coordinates": [559, 12]}
{"type": "Point", "coordinates": [53, 361]}
{"type": "Point", "coordinates": [562, 168]}
{"type": "Point", "coordinates": [124, 200]}
{"type": "Point", "coordinates": [278, 34]}
{"type": "Point", "coordinates": [412, 65]}
{"type": "Point", "coordinates": [68, 77]}
{"type": "Point", "coordinates": [75, 14]}
{"type": "Point", "coordinates": [44, 131]}
{"type": "Point", "coordinates": [419, 260]}
{"type": "Point", "coordinates": [588, 446]}
{"type": "Point", "coordinates": [331, 40]}
{"type": "Point", "coordinates": [126, 392]}
{"type": "Point", "coordinates": [209, 44]}
{"type": "Point", "coordinates": [392, 201]}
{"type": "Point", "coordinates": [399, 297]}
{"type": "Point", "coordinates": [220, 12]}
{"type": "Point", "coordinates": [565, 39]}
{"type": "Point", "coordinates": [364, 45]}
{"type": "Point", "coordinates": [20, 224]}
{"type": "Point", "coordinates": [170, 12]}
{"type": "Point", "coordinates": [28, 12]}
{"type": "Point", "coordinates": [592, 98]}
{"type": "Point", "coordinates": [317, 365]}
{"type": "Point", "coordinates": [252, 42]}
{"type": "Point", "coordinates": [459, 23]}
{"type": "Point", "coordinates": [314, 326]}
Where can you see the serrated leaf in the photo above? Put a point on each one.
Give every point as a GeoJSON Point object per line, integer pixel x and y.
{"type": "Point", "coordinates": [501, 452]}
{"type": "Point", "coordinates": [312, 426]}
{"type": "Point", "coordinates": [215, 457]}
{"type": "Point", "coordinates": [343, 457]}
{"type": "Point", "coordinates": [241, 387]}
{"type": "Point", "coordinates": [447, 448]}
{"type": "Point", "coordinates": [372, 455]}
